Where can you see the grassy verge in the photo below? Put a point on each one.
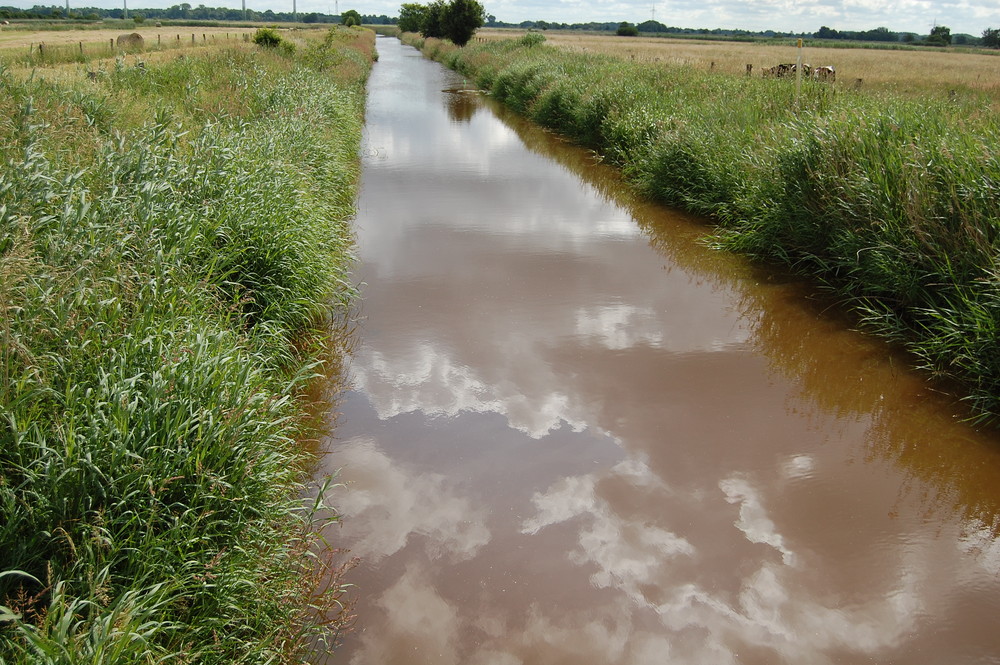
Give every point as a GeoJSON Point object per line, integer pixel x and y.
{"type": "Point", "coordinates": [174, 242]}
{"type": "Point", "coordinates": [891, 203]}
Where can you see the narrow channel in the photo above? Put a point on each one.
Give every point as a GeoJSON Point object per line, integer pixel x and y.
{"type": "Point", "coordinates": [577, 435]}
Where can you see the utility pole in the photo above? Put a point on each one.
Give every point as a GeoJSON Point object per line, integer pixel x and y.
{"type": "Point", "coordinates": [295, 13]}
{"type": "Point", "coordinates": [125, 9]}
{"type": "Point", "coordinates": [244, 10]}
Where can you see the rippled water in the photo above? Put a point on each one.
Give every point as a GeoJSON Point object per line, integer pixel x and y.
{"type": "Point", "coordinates": [576, 435]}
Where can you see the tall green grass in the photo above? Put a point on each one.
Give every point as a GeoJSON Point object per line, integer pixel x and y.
{"type": "Point", "coordinates": [893, 204]}
{"type": "Point", "coordinates": [173, 245]}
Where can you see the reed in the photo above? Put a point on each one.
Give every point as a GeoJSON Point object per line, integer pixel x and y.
{"type": "Point", "coordinates": [166, 280]}
{"type": "Point", "coordinates": [888, 201]}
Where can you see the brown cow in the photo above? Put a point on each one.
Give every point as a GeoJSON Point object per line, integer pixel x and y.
{"type": "Point", "coordinates": [780, 71]}
{"type": "Point", "coordinates": [826, 73]}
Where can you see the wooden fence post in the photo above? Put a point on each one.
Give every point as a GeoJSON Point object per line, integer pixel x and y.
{"type": "Point", "coordinates": [798, 74]}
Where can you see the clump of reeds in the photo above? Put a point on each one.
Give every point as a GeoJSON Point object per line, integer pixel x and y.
{"type": "Point", "coordinates": [893, 203]}
{"type": "Point", "coordinates": [164, 291]}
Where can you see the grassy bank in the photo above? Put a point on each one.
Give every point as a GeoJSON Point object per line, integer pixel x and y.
{"type": "Point", "coordinates": [174, 242]}
{"type": "Point", "coordinates": [892, 203]}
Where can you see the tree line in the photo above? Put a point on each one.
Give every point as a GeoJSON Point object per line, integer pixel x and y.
{"type": "Point", "coordinates": [459, 19]}
{"type": "Point", "coordinates": [939, 35]}
{"type": "Point", "coordinates": [185, 12]}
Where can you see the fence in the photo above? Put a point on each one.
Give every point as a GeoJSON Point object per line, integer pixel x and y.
{"type": "Point", "coordinates": [49, 54]}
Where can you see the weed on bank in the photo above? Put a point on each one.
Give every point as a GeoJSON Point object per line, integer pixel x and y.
{"type": "Point", "coordinates": [174, 242]}
{"type": "Point", "coordinates": [893, 204]}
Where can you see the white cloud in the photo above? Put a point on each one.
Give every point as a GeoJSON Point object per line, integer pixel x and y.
{"type": "Point", "coordinates": [430, 381]}
{"type": "Point", "coordinates": [753, 520]}
{"type": "Point", "coordinates": [386, 504]}
{"type": "Point", "coordinates": [420, 626]}
{"type": "Point", "coordinates": [776, 606]}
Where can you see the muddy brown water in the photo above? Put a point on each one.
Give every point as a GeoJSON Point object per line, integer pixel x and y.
{"type": "Point", "coordinates": [577, 435]}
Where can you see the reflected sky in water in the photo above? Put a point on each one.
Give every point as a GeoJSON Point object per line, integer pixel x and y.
{"type": "Point", "coordinates": [576, 435]}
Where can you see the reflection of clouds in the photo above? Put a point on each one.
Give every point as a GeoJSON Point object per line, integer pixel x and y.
{"type": "Point", "coordinates": [594, 637]}
{"type": "Point", "coordinates": [983, 543]}
{"type": "Point", "coordinates": [620, 326]}
{"type": "Point", "coordinates": [420, 627]}
{"type": "Point", "coordinates": [798, 467]}
{"type": "Point", "coordinates": [777, 606]}
{"type": "Point", "coordinates": [627, 555]}
{"type": "Point", "coordinates": [387, 503]}
{"type": "Point", "coordinates": [753, 520]}
{"type": "Point", "coordinates": [775, 612]}
{"type": "Point", "coordinates": [427, 380]}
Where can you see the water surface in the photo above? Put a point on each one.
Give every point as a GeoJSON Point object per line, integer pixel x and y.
{"type": "Point", "coordinates": [576, 435]}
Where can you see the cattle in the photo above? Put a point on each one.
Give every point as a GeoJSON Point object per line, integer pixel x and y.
{"type": "Point", "coordinates": [780, 71]}
{"type": "Point", "coordinates": [825, 73]}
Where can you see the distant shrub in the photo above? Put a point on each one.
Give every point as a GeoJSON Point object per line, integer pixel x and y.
{"type": "Point", "coordinates": [531, 39]}
{"type": "Point", "coordinates": [626, 29]}
{"type": "Point", "coordinates": [267, 37]}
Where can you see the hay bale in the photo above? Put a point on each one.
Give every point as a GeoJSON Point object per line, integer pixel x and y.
{"type": "Point", "coordinates": [132, 41]}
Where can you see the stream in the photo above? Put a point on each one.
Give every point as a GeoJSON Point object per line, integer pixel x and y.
{"type": "Point", "coordinates": [575, 434]}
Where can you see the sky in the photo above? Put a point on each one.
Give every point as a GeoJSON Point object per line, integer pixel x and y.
{"type": "Point", "coordinates": [918, 16]}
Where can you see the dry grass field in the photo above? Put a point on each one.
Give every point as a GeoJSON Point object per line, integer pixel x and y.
{"type": "Point", "coordinates": [904, 71]}
{"type": "Point", "coordinates": [15, 39]}
{"type": "Point", "coordinates": [20, 48]}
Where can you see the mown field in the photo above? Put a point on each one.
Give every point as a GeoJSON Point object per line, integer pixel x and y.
{"type": "Point", "coordinates": [174, 246]}
{"type": "Point", "coordinates": [889, 200]}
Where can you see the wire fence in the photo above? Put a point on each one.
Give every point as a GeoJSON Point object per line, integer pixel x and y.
{"type": "Point", "coordinates": [132, 43]}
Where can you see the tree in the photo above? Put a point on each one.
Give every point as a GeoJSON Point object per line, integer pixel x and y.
{"type": "Point", "coordinates": [350, 17]}
{"type": "Point", "coordinates": [433, 24]}
{"type": "Point", "coordinates": [940, 36]}
{"type": "Point", "coordinates": [462, 19]}
{"type": "Point", "coordinates": [411, 17]}
{"type": "Point", "coordinates": [651, 26]}
{"type": "Point", "coordinates": [457, 20]}
{"type": "Point", "coordinates": [991, 37]}
{"type": "Point", "coordinates": [626, 29]}
{"type": "Point", "coordinates": [827, 33]}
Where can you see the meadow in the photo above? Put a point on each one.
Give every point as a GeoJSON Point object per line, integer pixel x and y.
{"type": "Point", "coordinates": [54, 46]}
{"type": "Point", "coordinates": [174, 246]}
{"type": "Point", "coordinates": [887, 197]}
{"type": "Point", "coordinates": [927, 71]}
